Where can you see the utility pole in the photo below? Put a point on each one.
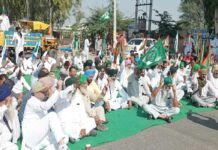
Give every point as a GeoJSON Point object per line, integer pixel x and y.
{"type": "Point", "coordinates": [140, 3]}
{"type": "Point", "coordinates": [150, 18]}
{"type": "Point", "coordinates": [115, 24]}
{"type": "Point", "coordinates": [136, 15]}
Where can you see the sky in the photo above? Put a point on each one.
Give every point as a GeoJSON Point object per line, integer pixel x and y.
{"type": "Point", "coordinates": [128, 8]}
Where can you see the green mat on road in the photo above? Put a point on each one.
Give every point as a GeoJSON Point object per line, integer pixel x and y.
{"type": "Point", "coordinates": [124, 123]}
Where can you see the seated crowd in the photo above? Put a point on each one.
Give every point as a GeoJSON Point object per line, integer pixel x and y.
{"type": "Point", "coordinates": [52, 111]}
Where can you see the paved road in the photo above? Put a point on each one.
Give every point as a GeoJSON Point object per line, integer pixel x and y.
{"type": "Point", "coordinates": [197, 132]}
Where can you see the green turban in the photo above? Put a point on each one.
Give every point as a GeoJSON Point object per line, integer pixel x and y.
{"type": "Point", "coordinates": [99, 68]}
{"type": "Point", "coordinates": [89, 63]}
{"type": "Point", "coordinates": [173, 70]}
{"type": "Point", "coordinates": [182, 64]}
{"type": "Point", "coordinates": [202, 67]}
{"type": "Point", "coordinates": [108, 63]}
{"type": "Point", "coordinates": [112, 72]}
{"type": "Point", "coordinates": [70, 81]}
{"type": "Point", "coordinates": [168, 80]}
{"type": "Point", "coordinates": [196, 67]}
{"type": "Point", "coordinates": [82, 79]}
{"type": "Point", "coordinates": [54, 69]}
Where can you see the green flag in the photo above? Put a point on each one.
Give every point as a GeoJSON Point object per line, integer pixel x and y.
{"type": "Point", "coordinates": [154, 56]}
{"type": "Point", "coordinates": [105, 16]}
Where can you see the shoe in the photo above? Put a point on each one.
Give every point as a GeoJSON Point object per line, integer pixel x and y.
{"type": "Point", "coordinates": [102, 127]}
{"type": "Point", "coordinates": [150, 117]}
{"type": "Point", "coordinates": [190, 113]}
{"type": "Point", "coordinates": [196, 104]}
{"type": "Point", "coordinates": [72, 140]}
{"type": "Point", "coordinates": [63, 147]}
{"type": "Point", "coordinates": [93, 133]}
{"type": "Point", "coordinates": [168, 120]}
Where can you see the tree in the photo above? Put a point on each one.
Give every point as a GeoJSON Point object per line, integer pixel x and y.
{"type": "Point", "coordinates": [197, 13]}
{"type": "Point", "coordinates": [166, 25]}
{"type": "Point", "coordinates": [209, 12]}
{"type": "Point", "coordinates": [96, 25]}
{"type": "Point", "coordinates": [192, 14]}
{"type": "Point", "coordinates": [49, 11]}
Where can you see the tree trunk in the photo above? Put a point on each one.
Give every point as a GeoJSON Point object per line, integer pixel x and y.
{"type": "Point", "coordinates": [27, 9]}
{"type": "Point", "coordinates": [216, 20]}
{"type": "Point", "coordinates": [51, 21]}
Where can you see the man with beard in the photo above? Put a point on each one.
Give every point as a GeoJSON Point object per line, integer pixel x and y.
{"type": "Point", "coordinates": [9, 124]}
{"type": "Point", "coordinates": [118, 98]}
{"type": "Point", "coordinates": [164, 102]}
{"type": "Point", "coordinates": [137, 86]}
{"type": "Point", "coordinates": [72, 114]}
{"type": "Point", "coordinates": [47, 131]}
{"type": "Point", "coordinates": [98, 112]}
{"type": "Point", "coordinates": [102, 78]}
{"type": "Point", "coordinates": [98, 97]}
{"type": "Point", "coordinates": [204, 94]}
{"type": "Point", "coordinates": [127, 71]}
{"type": "Point", "coordinates": [164, 68]}
{"type": "Point", "coordinates": [213, 76]}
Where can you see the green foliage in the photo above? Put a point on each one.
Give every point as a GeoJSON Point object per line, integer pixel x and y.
{"type": "Point", "coordinates": [192, 14]}
{"type": "Point", "coordinates": [96, 25]}
{"type": "Point", "coordinates": [167, 26]}
{"type": "Point", "coordinates": [197, 13]}
{"type": "Point", "coordinates": [55, 11]}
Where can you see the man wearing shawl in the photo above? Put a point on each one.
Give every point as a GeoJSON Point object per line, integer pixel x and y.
{"type": "Point", "coordinates": [204, 94]}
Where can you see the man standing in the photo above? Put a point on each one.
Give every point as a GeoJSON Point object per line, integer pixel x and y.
{"type": "Point", "coordinates": [18, 38]}
{"type": "Point", "coordinates": [2, 24]}
{"type": "Point", "coordinates": [86, 49]}
{"type": "Point", "coordinates": [98, 44]}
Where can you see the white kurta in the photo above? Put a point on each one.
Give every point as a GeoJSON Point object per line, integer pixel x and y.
{"type": "Point", "coordinates": [73, 117]}
{"type": "Point", "coordinates": [162, 104]}
{"type": "Point", "coordinates": [117, 96]}
{"type": "Point", "coordinates": [49, 63]}
{"type": "Point", "coordinates": [45, 125]}
{"type": "Point", "coordinates": [19, 85]}
{"type": "Point", "coordinates": [86, 49]}
{"type": "Point", "coordinates": [79, 62]}
{"type": "Point", "coordinates": [5, 134]}
{"type": "Point", "coordinates": [102, 82]}
{"type": "Point", "coordinates": [20, 44]}
{"type": "Point", "coordinates": [124, 77]}
{"type": "Point", "coordinates": [208, 96]}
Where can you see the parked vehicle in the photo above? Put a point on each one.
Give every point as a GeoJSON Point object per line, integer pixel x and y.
{"type": "Point", "coordinates": [137, 43]}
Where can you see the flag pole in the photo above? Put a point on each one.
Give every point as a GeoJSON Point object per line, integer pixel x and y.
{"type": "Point", "coordinates": [115, 23]}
